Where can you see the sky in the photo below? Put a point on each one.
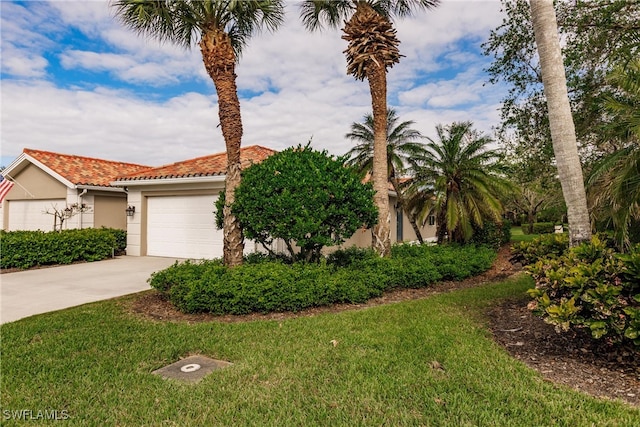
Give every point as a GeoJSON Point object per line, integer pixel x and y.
{"type": "Point", "coordinates": [76, 81]}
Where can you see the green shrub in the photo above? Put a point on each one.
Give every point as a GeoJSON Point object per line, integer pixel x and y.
{"type": "Point", "coordinates": [347, 276]}
{"type": "Point", "coordinates": [121, 239]}
{"type": "Point", "coordinates": [305, 197]}
{"type": "Point", "coordinates": [492, 234]}
{"type": "Point", "coordinates": [590, 287]}
{"type": "Point", "coordinates": [349, 256]}
{"type": "Point", "coordinates": [26, 249]}
{"type": "Point", "coordinates": [545, 246]}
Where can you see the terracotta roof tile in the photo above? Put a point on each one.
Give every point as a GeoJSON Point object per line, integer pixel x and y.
{"type": "Point", "coordinates": [84, 170]}
{"type": "Point", "coordinates": [215, 164]}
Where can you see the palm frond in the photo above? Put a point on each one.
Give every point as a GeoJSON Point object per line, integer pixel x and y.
{"type": "Point", "coordinates": [183, 22]}
{"type": "Point", "coordinates": [316, 14]}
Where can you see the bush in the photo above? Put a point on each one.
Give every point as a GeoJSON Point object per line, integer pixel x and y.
{"type": "Point", "coordinates": [121, 239]}
{"type": "Point", "coordinates": [346, 276]}
{"type": "Point", "coordinates": [492, 234]}
{"type": "Point", "coordinates": [545, 246]}
{"type": "Point", "coordinates": [307, 198]}
{"type": "Point", "coordinates": [590, 287]}
{"type": "Point", "coordinates": [540, 228]}
{"type": "Point", "coordinates": [26, 249]}
{"type": "Point", "coordinates": [350, 256]}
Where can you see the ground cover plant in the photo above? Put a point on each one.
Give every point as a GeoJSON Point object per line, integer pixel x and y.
{"type": "Point", "coordinates": [26, 249]}
{"type": "Point", "coordinates": [528, 251]}
{"type": "Point", "coordinates": [590, 287]}
{"type": "Point", "coordinates": [422, 362]}
{"type": "Point", "coordinates": [351, 276]}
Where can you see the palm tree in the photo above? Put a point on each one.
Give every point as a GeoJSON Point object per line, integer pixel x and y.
{"type": "Point", "coordinates": [402, 149]}
{"type": "Point", "coordinates": [614, 182]}
{"type": "Point", "coordinates": [625, 106]}
{"type": "Point", "coordinates": [459, 181]}
{"type": "Point", "coordinates": [221, 28]}
{"type": "Point", "coordinates": [563, 134]}
{"type": "Point", "coordinates": [372, 49]}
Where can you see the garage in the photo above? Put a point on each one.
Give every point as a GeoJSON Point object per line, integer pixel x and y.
{"type": "Point", "coordinates": [29, 214]}
{"type": "Point", "coordinates": [183, 227]}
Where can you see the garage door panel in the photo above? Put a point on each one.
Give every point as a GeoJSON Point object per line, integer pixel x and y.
{"type": "Point", "coordinates": [183, 226]}
{"type": "Point", "coordinates": [29, 214]}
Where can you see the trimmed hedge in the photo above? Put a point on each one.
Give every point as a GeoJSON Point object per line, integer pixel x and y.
{"type": "Point", "coordinates": [492, 234]}
{"type": "Point", "coordinates": [540, 228]}
{"type": "Point", "coordinates": [349, 276]}
{"type": "Point", "coordinates": [26, 249]}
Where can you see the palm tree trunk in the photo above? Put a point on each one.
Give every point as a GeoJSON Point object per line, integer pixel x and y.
{"type": "Point", "coordinates": [219, 60]}
{"type": "Point", "coordinates": [563, 133]}
{"type": "Point", "coordinates": [381, 232]}
{"type": "Point", "coordinates": [441, 227]}
{"type": "Point", "coordinates": [403, 204]}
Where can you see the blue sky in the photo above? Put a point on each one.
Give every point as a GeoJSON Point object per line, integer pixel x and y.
{"type": "Point", "coordinates": [75, 81]}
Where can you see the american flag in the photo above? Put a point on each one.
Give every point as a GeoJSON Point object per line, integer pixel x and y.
{"type": "Point", "coordinates": [5, 187]}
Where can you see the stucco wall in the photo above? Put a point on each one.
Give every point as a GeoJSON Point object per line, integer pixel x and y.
{"type": "Point", "coordinates": [109, 211]}
{"type": "Point", "coordinates": [33, 183]}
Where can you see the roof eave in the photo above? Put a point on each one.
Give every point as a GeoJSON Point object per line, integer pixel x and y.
{"type": "Point", "coordinates": [166, 181]}
{"type": "Point", "coordinates": [100, 188]}
{"type": "Point", "coordinates": [24, 157]}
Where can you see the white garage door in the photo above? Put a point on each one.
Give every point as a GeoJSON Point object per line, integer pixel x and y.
{"type": "Point", "coordinates": [183, 227]}
{"type": "Point", "coordinates": [29, 214]}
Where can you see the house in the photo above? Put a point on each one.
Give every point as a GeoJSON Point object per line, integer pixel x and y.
{"type": "Point", "coordinates": [174, 209]}
{"type": "Point", "coordinates": [46, 182]}
{"type": "Point", "coordinates": [175, 204]}
{"type": "Point", "coordinates": [401, 229]}
{"type": "Point", "coordinates": [167, 211]}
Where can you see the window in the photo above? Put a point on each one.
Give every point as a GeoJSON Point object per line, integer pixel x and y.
{"type": "Point", "coordinates": [432, 220]}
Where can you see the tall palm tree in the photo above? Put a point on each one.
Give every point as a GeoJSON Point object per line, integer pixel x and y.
{"type": "Point", "coordinates": [563, 134]}
{"type": "Point", "coordinates": [402, 149]}
{"type": "Point", "coordinates": [372, 49]}
{"type": "Point", "coordinates": [459, 181]}
{"type": "Point", "coordinates": [221, 28]}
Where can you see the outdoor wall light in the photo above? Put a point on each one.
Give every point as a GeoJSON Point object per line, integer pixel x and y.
{"type": "Point", "coordinates": [130, 210]}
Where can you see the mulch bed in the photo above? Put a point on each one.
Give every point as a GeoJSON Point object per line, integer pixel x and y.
{"type": "Point", "coordinates": [572, 359]}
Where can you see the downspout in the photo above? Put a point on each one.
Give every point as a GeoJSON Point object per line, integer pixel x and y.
{"type": "Point", "coordinates": [80, 206]}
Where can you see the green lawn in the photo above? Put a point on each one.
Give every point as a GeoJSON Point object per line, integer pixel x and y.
{"type": "Point", "coordinates": [95, 363]}
{"type": "Point", "coordinates": [518, 236]}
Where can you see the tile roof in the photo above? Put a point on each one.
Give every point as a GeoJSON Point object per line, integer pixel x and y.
{"type": "Point", "coordinates": [215, 164]}
{"type": "Point", "coordinates": [84, 170]}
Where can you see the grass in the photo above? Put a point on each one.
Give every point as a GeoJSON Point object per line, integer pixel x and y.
{"type": "Point", "coordinates": [95, 363]}
{"type": "Point", "coordinates": [518, 236]}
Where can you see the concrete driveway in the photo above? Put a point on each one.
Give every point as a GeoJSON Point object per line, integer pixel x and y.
{"type": "Point", "coordinates": [30, 292]}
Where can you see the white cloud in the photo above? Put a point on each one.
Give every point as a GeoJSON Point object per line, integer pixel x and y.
{"type": "Point", "coordinates": [297, 80]}
{"type": "Point", "coordinates": [17, 62]}
{"type": "Point", "coordinates": [446, 93]}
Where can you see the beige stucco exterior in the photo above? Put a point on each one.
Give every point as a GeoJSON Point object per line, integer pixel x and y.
{"type": "Point", "coordinates": [34, 183]}
{"type": "Point", "coordinates": [362, 237]}
{"type": "Point", "coordinates": [105, 207]}
{"type": "Point", "coordinates": [110, 211]}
